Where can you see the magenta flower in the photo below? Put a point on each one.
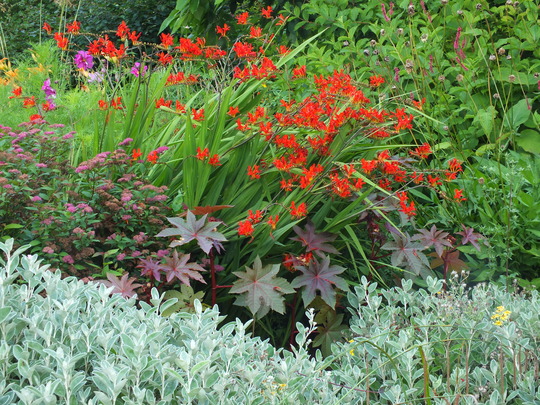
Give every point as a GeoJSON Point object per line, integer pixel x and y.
{"type": "Point", "coordinates": [50, 93]}
{"type": "Point", "coordinates": [84, 60]}
{"type": "Point", "coordinates": [136, 70]}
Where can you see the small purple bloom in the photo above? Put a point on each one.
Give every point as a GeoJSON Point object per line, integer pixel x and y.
{"type": "Point", "coordinates": [50, 93]}
{"type": "Point", "coordinates": [120, 257]}
{"type": "Point", "coordinates": [95, 77]}
{"type": "Point", "coordinates": [81, 168]}
{"type": "Point", "coordinates": [136, 70]}
{"type": "Point", "coordinates": [162, 149]}
{"type": "Point", "coordinates": [84, 60]}
{"type": "Point", "coordinates": [36, 198]}
{"type": "Point", "coordinates": [126, 141]}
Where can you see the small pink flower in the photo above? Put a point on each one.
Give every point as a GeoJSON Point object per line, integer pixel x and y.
{"type": "Point", "coordinates": [36, 198]}
{"type": "Point", "coordinates": [48, 249]}
{"type": "Point", "coordinates": [120, 257]}
{"type": "Point", "coordinates": [162, 253]}
{"type": "Point", "coordinates": [68, 259]}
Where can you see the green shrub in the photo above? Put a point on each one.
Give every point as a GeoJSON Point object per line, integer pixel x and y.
{"type": "Point", "coordinates": [63, 341]}
{"type": "Point", "coordinates": [69, 342]}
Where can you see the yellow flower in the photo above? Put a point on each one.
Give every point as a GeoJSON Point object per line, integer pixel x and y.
{"type": "Point", "coordinates": [501, 315]}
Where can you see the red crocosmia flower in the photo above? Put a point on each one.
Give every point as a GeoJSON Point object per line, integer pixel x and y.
{"type": "Point", "coordinates": [136, 154]}
{"type": "Point", "coordinates": [368, 165]}
{"type": "Point", "coordinates": [358, 183]}
{"type": "Point", "coordinates": [162, 102]}
{"type": "Point", "coordinates": [376, 81]}
{"type": "Point", "coordinates": [341, 187]}
{"type": "Point", "coordinates": [309, 174]}
{"type": "Point", "coordinates": [29, 102]}
{"type": "Point", "coordinates": [299, 72]}
{"type": "Point", "coordinates": [283, 164]}
{"type": "Point", "coordinates": [222, 31]}
{"type": "Point", "coordinates": [17, 92]}
{"type": "Point", "coordinates": [47, 106]}
{"type": "Point", "coordinates": [103, 105]}
{"type": "Point", "coordinates": [288, 262]}
{"type": "Point", "coordinates": [241, 19]}
{"type": "Point", "coordinates": [198, 115]}
{"type": "Point", "coordinates": [267, 12]}
{"type": "Point", "coordinates": [255, 32]}
{"type": "Point", "coordinates": [287, 185]}
{"type": "Point", "coordinates": [384, 155]}
{"type": "Point", "coordinates": [153, 157]}
{"type": "Point", "coordinates": [214, 160]}
{"type": "Point", "coordinates": [254, 172]}
{"type": "Point", "coordinates": [245, 228]}
{"type": "Point", "coordinates": [179, 107]}
{"type": "Point", "coordinates": [349, 170]}
{"type": "Point", "coordinates": [385, 184]}
{"type": "Point", "coordinates": [35, 117]}
{"type": "Point", "coordinates": [202, 154]}
{"type": "Point", "coordinates": [123, 31]}
{"type": "Point", "coordinates": [283, 50]}
{"type": "Point", "coordinates": [244, 50]}
{"type": "Point", "coordinates": [458, 195]}
{"type": "Point", "coordinates": [409, 210]}
{"type": "Point", "coordinates": [272, 221]}
{"type": "Point", "coordinates": [167, 40]}
{"type": "Point", "coordinates": [419, 104]}
{"type": "Point", "coordinates": [61, 41]}
{"type": "Point", "coordinates": [298, 212]}
{"type": "Point", "coordinates": [165, 58]}
{"type": "Point", "coordinates": [287, 105]}
{"type": "Point", "coordinates": [233, 111]}
{"type": "Point", "coordinates": [255, 217]}
{"type": "Point", "coordinates": [417, 178]}
{"type": "Point", "coordinates": [117, 103]}
{"type": "Point", "coordinates": [133, 36]}
{"type": "Point", "coordinates": [403, 196]}
{"type": "Point", "coordinates": [433, 181]}
{"type": "Point", "coordinates": [281, 19]}
{"type": "Point", "coordinates": [450, 175]}
{"type": "Point", "coordinates": [47, 28]}
{"type": "Point", "coordinates": [422, 151]}
{"type": "Point", "coordinates": [455, 165]}
{"type": "Point", "coordinates": [74, 27]}
{"type": "Point", "coordinates": [404, 121]}
{"type": "Point", "coordinates": [242, 127]}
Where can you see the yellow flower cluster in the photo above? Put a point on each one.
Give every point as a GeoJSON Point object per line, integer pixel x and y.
{"type": "Point", "coordinates": [500, 316]}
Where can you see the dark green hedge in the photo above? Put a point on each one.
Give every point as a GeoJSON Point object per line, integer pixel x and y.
{"type": "Point", "coordinates": [21, 20]}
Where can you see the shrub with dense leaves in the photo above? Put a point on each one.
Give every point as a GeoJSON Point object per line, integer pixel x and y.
{"type": "Point", "coordinates": [94, 218]}
{"type": "Point", "coordinates": [62, 340]}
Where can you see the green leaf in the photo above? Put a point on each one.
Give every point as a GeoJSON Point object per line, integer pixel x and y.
{"type": "Point", "coordinates": [518, 114]}
{"type": "Point", "coordinates": [486, 117]}
{"type": "Point", "coordinates": [12, 226]}
{"type": "Point", "coordinates": [529, 140]}
{"type": "Point", "coordinates": [4, 313]}
{"type": "Point", "coordinates": [329, 332]}
{"type": "Point", "coordinates": [261, 288]}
